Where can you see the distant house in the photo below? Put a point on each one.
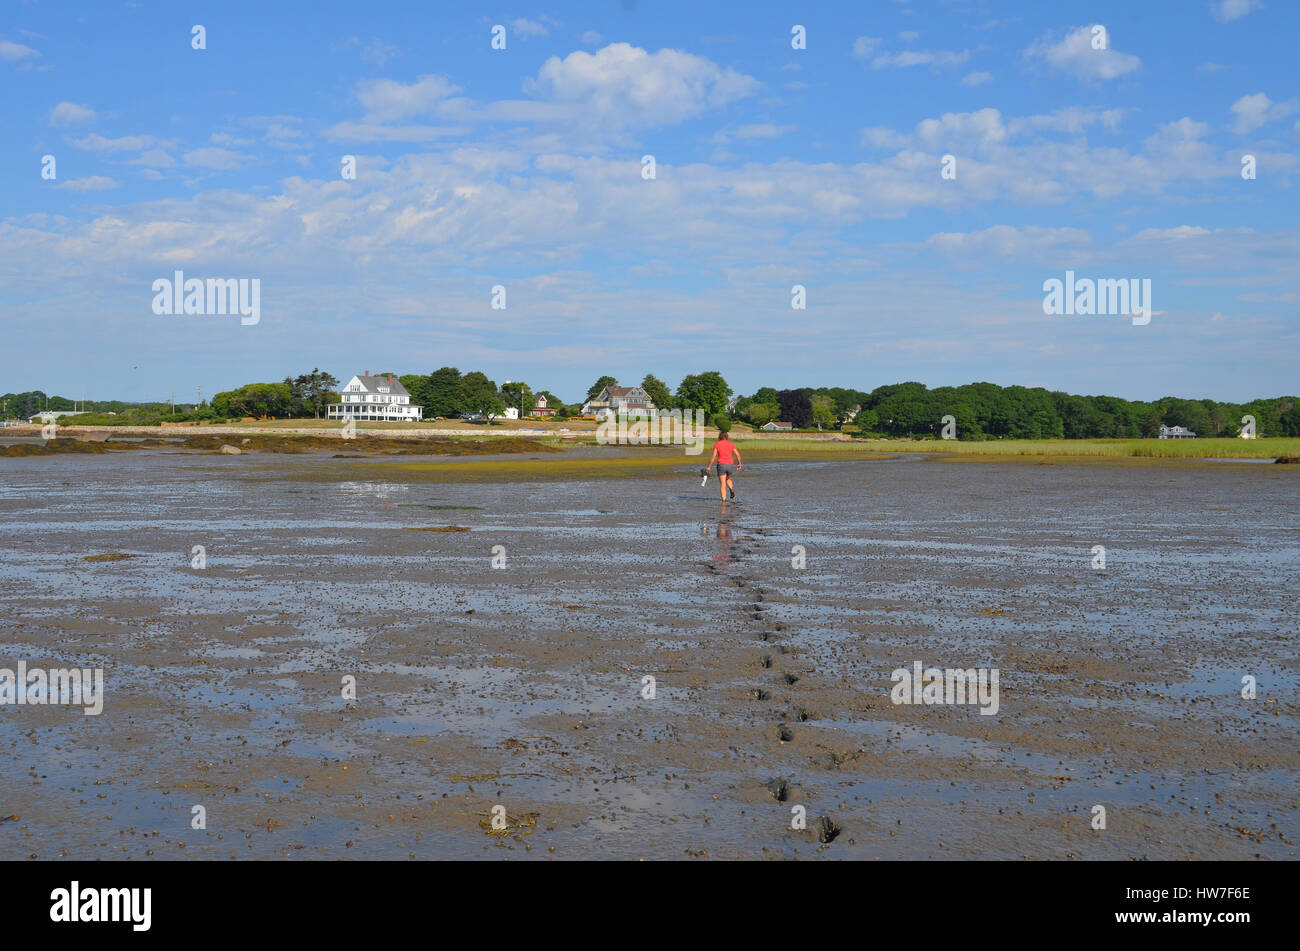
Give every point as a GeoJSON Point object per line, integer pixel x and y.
{"type": "Point", "coordinates": [375, 398]}
{"type": "Point", "coordinates": [619, 401]}
{"type": "Point", "coordinates": [50, 415]}
{"type": "Point", "coordinates": [541, 409]}
{"type": "Point", "coordinates": [774, 426]}
{"type": "Point", "coordinates": [1175, 432]}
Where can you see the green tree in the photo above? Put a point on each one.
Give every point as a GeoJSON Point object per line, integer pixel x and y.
{"type": "Point", "coordinates": [518, 395]}
{"type": "Point", "coordinates": [658, 391]}
{"type": "Point", "coordinates": [417, 385]}
{"type": "Point", "coordinates": [760, 414]}
{"type": "Point", "coordinates": [707, 391]}
{"type": "Point", "coordinates": [594, 390]}
{"type": "Point", "coordinates": [482, 396]}
{"type": "Point", "coordinates": [311, 392]}
{"type": "Point", "coordinates": [823, 412]}
{"type": "Point", "coordinates": [444, 394]}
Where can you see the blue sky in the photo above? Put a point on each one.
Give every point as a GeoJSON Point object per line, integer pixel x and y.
{"type": "Point", "coordinates": [774, 167]}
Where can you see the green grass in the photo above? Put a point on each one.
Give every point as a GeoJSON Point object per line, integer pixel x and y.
{"type": "Point", "coordinates": [1133, 448]}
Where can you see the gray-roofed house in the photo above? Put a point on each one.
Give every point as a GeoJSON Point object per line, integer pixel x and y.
{"type": "Point", "coordinates": [375, 398]}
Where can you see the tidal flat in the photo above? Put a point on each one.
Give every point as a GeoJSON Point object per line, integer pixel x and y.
{"type": "Point", "coordinates": [344, 658]}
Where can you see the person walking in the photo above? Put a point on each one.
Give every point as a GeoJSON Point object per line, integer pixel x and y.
{"type": "Point", "coordinates": [727, 457]}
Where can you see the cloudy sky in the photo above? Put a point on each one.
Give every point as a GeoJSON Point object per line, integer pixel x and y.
{"type": "Point", "coordinates": [773, 166]}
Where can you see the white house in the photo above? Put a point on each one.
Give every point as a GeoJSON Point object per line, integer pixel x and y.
{"type": "Point", "coordinates": [375, 398]}
{"type": "Point", "coordinates": [50, 415]}
{"type": "Point", "coordinates": [1175, 432]}
{"type": "Point", "coordinates": [620, 401]}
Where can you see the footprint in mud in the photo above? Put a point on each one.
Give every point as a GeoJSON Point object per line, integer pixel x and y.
{"type": "Point", "coordinates": [826, 829]}
{"type": "Point", "coordinates": [784, 733]}
{"type": "Point", "coordinates": [759, 693]}
{"type": "Point", "coordinates": [800, 715]}
{"type": "Point", "coordinates": [790, 678]}
{"type": "Point", "coordinates": [766, 662]}
{"type": "Point", "coordinates": [779, 787]}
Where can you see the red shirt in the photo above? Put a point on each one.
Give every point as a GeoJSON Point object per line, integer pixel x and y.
{"type": "Point", "coordinates": [726, 450]}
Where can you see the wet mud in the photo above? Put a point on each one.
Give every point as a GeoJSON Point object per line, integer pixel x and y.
{"type": "Point", "coordinates": [630, 668]}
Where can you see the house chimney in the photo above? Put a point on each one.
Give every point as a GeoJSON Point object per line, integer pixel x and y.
{"type": "Point", "coordinates": [367, 373]}
{"type": "Point", "coordinates": [390, 378]}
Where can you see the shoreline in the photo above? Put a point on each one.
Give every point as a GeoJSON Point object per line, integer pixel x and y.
{"type": "Point", "coordinates": [25, 441]}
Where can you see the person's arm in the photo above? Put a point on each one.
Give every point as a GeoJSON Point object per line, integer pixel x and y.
{"type": "Point", "coordinates": [712, 457]}
{"type": "Point", "coordinates": [736, 450]}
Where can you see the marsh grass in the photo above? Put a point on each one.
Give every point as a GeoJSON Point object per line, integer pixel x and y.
{"type": "Point", "coordinates": [1133, 448]}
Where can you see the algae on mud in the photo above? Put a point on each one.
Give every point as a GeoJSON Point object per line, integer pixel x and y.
{"type": "Point", "coordinates": [288, 443]}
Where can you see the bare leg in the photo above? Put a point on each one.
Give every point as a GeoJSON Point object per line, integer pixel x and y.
{"type": "Point", "coordinates": [722, 487]}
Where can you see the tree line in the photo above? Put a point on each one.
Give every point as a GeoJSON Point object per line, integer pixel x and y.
{"type": "Point", "coordinates": [989, 411]}
{"type": "Point", "coordinates": [981, 410]}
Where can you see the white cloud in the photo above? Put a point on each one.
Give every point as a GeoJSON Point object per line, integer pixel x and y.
{"type": "Point", "coordinates": [1005, 241]}
{"type": "Point", "coordinates": [1180, 233]}
{"type": "Point", "coordinates": [377, 132]}
{"type": "Point", "coordinates": [92, 184]}
{"type": "Point", "coordinates": [764, 130]}
{"type": "Point", "coordinates": [1227, 10]}
{"type": "Point", "coordinates": [1075, 56]}
{"type": "Point", "coordinates": [624, 86]}
{"type": "Point", "coordinates": [127, 143]}
{"type": "Point", "coordinates": [906, 58]}
{"type": "Point", "coordinates": [976, 79]}
{"type": "Point", "coordinates": [591, 38]}
{"type": "Point", "coordinates": [907, 36]}
{"type": "Point", "coordinates": [867, 48]}
{"type": "Point", "coordinates": [864, 46]}
{"type": "Point", "coordinates": [214, 158]}
{"type": "Point", "coordinates": [70, 113]}
{"type": "Point", "coordinates": [13, 52]}
{"type": "Point", "coordinates": [154, 158]}
{"type": "Point", "coordinates": [1251, 112]}
{"type": "Point", "coordinates": [962, 129]}
{"type": "Point", "coordinates": [528, 29]}
{"type": "Point", "coordinates": [387, 99]}
{"type": "Point", "coordinates": [379, 52]}
{"type": "Point", "coordinates": [225, 138]}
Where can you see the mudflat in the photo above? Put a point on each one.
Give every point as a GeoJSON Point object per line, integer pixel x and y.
{"type": "Point", "coordinates": [364, 658]}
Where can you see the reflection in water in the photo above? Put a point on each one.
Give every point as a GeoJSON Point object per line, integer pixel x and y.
{"type": "Point", "coordinates": [722, 534]}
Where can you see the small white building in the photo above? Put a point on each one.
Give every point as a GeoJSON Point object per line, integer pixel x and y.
{"type": "Point", "coordinates": [50, 415]}
{"type": "Point", "coordinates": [1175, 432]}
{"type": "Point", "coordinates": [375, 398]}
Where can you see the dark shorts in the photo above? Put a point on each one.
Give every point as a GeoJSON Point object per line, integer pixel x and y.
{"type": "Point", "coordinates": [726, 470]}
